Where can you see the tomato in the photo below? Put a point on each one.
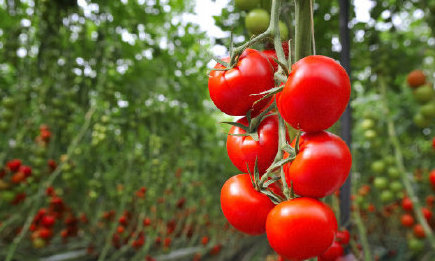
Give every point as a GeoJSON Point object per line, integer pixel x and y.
{"type": "Point", "coordinates": [407, 220]}
{"type": "Point", "coordinates": [430, 200]}
{"type": "Point", "coordinates": [415, 245]}
{"type": "Point", "coordinates": [380, 182]}
{"type": "Point", "coordinates": [396, 186]}
{"type": "Point", "coordinates": [343, 237]}
{"type": "Point", "coordinates": [387, 195]}
{"type": "Point", "coordinates": [257, 21]}
{"type": "Point", "coordinates": [416, 78]}
{"type": "Point", "coordinates": [283, 31]}
{"type": "Point", "coordinates": [393, 172]}
{"type": "Point", "coordinates": [245, 208]}
{"type": "Point", "coordinates": [428, 110]}
{"type": "Point", "coordinates": [315, 95]}
{"type": "Point", "coordinates": [247, 5]}
{"type": "Point", "coordinates": [419, 231]}
{"type": "Point", "coordinates": [427, 214]}
{"type": "Point", "coordinates": [311, 171]}
{"type": "Point", "coordinates": [14, 165]}
{"type": "Point", "coordinates": [367, 124]}
{"type": "Point", "coordinates": [378, 166]}
{"type": "Point", "coordinates": [370, 134]}
{"type": "Point", "coordinates": [432, 179]}
{"type": "Point", "coordinates": [420, 120]}
{"type": "Point", "coordinates": [407, 204]}
{"type": "Point", "coordinates": [231, 90]}
{"type": "Point", "coordinates": [271, 55]}
{"type": "Point", "coordinates": [333, 253]}
{"type": "Point", "coordinates": [301, 228]}
{"type": "Point", "coordinates": [423, 94]}
{"type": "Point", "coordinates": [244, 150]}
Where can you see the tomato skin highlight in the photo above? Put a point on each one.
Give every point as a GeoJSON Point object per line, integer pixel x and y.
{"type": "Point", "coordinates": [244, 149]}
{"type": "Point", "coordinates": [231, 91]}
{"type": "Point", "coordinates": [315, 95]}
{"type": "Point", "coordinates": [301, 228]}
{"type": "Point", "coordinates": [321, 166]}
{"type": "Point", "coordinates": [245, 208]}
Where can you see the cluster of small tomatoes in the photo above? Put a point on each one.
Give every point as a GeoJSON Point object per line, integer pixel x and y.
{"type": "Point", "coordinates": [424, 94]}
{"type": "Point", "coordinates": [313, 165]}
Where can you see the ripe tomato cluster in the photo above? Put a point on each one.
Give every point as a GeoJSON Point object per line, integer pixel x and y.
{"type": "Point", "coordinates": [313, 165]}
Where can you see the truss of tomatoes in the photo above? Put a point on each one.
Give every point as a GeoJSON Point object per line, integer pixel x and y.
{"type": "Point", "coordinates": [314, 97]}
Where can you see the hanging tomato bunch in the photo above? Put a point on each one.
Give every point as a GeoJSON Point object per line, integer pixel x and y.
{"type": "Point", "coordinates": [283, 177]}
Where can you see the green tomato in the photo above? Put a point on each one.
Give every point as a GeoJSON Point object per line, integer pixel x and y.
{"type": "Point", "coordinates": [380, 182]}
{"type": "Point", "coordinates": [370, 134]}
{"type": "Point", "coordinates": [428, 110]}
{"type": "Point", "coordinates": [389, 159]}
{"type": "Point", "coordinates": [367, 124]}
{"type": "Point", "coordinates": [423, 94]}
{"type": "Point", "coordinates": [421, 121]}
{"type": "Point", "coordinates": [283, 31]}
{"type": "Point", "coordinates": [257, 21]}
{"type": "Point", "coordinates": [378, 166]}
{"type": "Point", "coordinates": [8, 102]}
{"type": "Point", "coordinates": [393, 172]}
{"type": "Point", "coordinates": [387, 196]}
{"type": "Point", "coordinates": [415, 245]}
{"type": "Point", "coordinates": [247, 5]}
{"type": "Point", "coordinates": [396, 186]}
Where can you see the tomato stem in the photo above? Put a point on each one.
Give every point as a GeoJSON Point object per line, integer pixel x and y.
{"type": "Point", "coordinates": [302, 26]}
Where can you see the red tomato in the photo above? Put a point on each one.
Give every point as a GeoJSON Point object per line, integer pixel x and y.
{"type": "Point", "coordinates": [48, 221]}
{"type": "Point", "coordinates": [407, 204]}
{"type": "Point", "coordinates": [343, 237]}
{"type": "Point", "coordinates": [301, 228]}
{"type": "Point", "coordinates": [231, 90]}
{"type": "Point", "coordinates": [419, 231]}
{"type": "Point", "coordinates": [271, 55]}
{"type": "Point", "coordinates": [430, 200]}
{"type": "Point", "coordinates": [14, 165]}
{"type": "Point", "coordinates": [432, 179]}
{"type": "Point", "coordinates": [333, 253]}
{"type": "Point", "coordinates": [315, 95]}
{"type": "Point", "coordinates": [244, 149]}
{"type": "Point", "coordinates": [427, 214]}
{"type": "Point", "coordinates": [321, 166]}
{"type": "Point", "coordinates": [407, 220]}
{"type": "Point", "coordinates": [244, 207]}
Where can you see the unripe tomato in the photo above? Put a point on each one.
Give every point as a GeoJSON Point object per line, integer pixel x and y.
{"type": "Point", "coordinates": [380, 182]}
{"type": "Point", "coordinates": [247, 5]}
{"type": "Point", "coordinates": [407, 220]}
{"type": "Point", "coordinates": [428, 110]}
{"type": "Point", "coordinates": [283, 31]}
{"type": "Point", "coordinates": [370, 134]}
{"type": "Point", "coordinates": [415, 245]}
{"type": "Point", "coordinates": [393, 172]}
{"type": "Point", "coordinates": [420, 120]}
{"type": "Point", "coordinates": [423, 94]}
{"type": "Point", "coordinates": [311, 172]}
{"type": "Point", "coordinates": [367, 124]}
{"type": "Point", "coordinates": [245, 208]}
{"type": "Point", "coordinates": [333, 253]}
{"type": "Point", "coordinates": [257, 21]}
{"type": "Point", "coordinates": [244, 150]}
{"type": "Point", "coordinates": [386, 196]}
{"type": "Point", "coordinates": [315, 95]}
{"type": "Point", "coordinates": [396, 186]}
{"type": "Point", "coordinates": [416, 78]}
{"type": "Point", "coordinates": [231, 91]}
{"type": "Point", "coordinates": [378, 166]}
{"type": "Point", "coordinates": [301, 228]}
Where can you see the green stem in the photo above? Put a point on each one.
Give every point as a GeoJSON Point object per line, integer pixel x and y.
{"type": "Point", "coordinates": [362, 234]}
{"type": "Point", "coordinates": [401, 166]}
{"type": "Point", "coordinates": [302, 29]}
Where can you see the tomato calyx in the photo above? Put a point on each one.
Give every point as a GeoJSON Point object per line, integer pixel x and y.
{"type": "Point", "coordinates": [253, 123]}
